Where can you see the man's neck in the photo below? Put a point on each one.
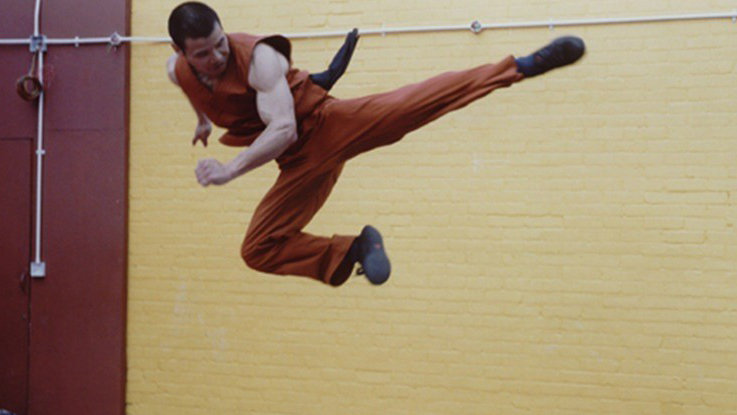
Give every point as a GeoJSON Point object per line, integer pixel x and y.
{"type": "Point", "coordinates": [206, 80]}
{"type": "Point", "coordinates": [210, 83]}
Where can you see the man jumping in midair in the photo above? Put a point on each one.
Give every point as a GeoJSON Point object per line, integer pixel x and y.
{"type": "Point", "coordinates": [246, 84]}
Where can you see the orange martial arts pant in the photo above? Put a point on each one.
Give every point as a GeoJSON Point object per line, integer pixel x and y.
{"type": "Point", "coordinates": [337, 131]}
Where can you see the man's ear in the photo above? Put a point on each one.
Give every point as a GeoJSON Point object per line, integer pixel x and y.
{"type": "Point", "coordinates": [177, 49]}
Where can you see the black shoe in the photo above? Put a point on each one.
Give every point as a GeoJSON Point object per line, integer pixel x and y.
{"type": "Point", "coordinates": [339, 63]}
{"type": "Point", "coordinates": [372, 256]}
{"type": "Point", "coordinates": [560, 52]}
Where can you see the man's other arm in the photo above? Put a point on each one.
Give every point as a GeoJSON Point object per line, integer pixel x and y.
{"type": "Point", "coordinates": [204, 126]}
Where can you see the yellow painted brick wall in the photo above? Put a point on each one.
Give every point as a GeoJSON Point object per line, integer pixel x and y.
{"type": "Point", "coordinates": [566, 246]}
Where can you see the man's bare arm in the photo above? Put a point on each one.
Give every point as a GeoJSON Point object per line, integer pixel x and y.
{"type": "Point", "coordinates": [275, 104]}
{"type": "Point", "coordinates": [204, 126]}
{"type": "Point", "coordinates": [171, 64]}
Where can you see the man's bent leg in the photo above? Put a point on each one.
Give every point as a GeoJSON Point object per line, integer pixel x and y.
{"type": "Point", "coordinates": [275, 243]}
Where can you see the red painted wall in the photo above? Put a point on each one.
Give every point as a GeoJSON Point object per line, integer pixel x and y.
{"type": "Point", "coordinates": [15, 254]}
{"type": "Point", "coordinates": [76, 361]}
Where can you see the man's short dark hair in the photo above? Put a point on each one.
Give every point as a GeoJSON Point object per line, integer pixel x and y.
{"type": "Point", "coordinates": [191, 20]}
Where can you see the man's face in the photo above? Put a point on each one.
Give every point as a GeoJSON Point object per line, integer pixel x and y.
{"type": "Point", "coordinates": [208, 55]}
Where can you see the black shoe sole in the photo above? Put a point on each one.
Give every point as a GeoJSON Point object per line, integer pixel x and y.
{"type": "Point", "coordinates": [565, 51]}
{"type": "Point", "coordinates": [374, 261]}
{"type": "Point", "coordinates": [562, 51]}
{"type": "Point", "coordinates": [574, 47]}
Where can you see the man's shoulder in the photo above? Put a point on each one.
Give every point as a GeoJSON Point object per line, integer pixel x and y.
{"type": "Point", "coordinates": [242, 45]}
{"type": "Point", "coordinates": [245, 43]}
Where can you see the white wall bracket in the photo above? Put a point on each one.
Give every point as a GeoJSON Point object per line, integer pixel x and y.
{"type": "Point", "coordinates": [38, 269]}
{"type": "Point", "coordinates": [38, 43]}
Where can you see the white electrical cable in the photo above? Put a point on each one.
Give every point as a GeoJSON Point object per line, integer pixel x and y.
{"type": "Point", "coordinates": [15, 41]}
{"type": "Point", "coordinates": [552, 23]}
{"type": "Point", "coordinates": [38, 268]}
{"type": "Point", "coordinates": [39, 157]}
{"type": "Point", "coordinates": [37, 18]}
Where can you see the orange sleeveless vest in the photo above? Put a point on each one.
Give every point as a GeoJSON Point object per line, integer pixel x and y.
{"type": "Point", "coordinates": [232, 103]}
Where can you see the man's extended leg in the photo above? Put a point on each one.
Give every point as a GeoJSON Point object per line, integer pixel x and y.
{"type": "Point", "coordinates": [354, 126]}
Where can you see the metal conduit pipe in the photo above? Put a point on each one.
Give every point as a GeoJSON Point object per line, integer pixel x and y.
{"type": "Point", "coordinates": [37, 18]}
{"type": "Point", "coordinates": [476, 27]}
{"type": "Point", "coordinates": [38, 267]}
